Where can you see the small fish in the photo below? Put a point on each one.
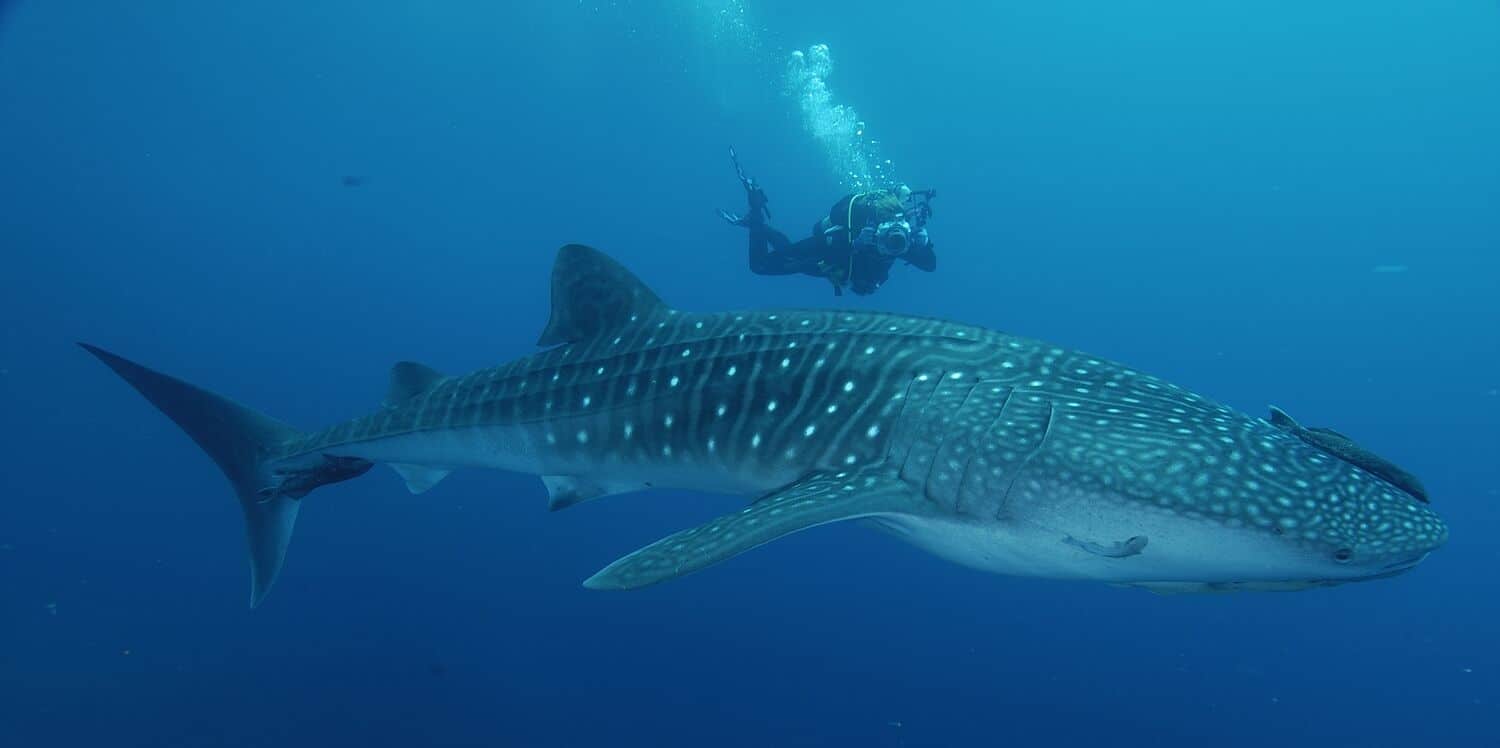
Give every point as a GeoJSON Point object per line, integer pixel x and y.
{"type": "Point", "coordinates": [1117, 549]}
{"type": "Point", "coordinates": [352, 180]}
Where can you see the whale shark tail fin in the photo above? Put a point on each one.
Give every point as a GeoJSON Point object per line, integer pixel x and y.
{"type": "Point", "coordinates": [243, 443]}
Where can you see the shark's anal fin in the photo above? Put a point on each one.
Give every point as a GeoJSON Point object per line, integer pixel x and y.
{"type": "Point", "coordinates": [419, 478]}
{"type": "Point", "coordinates": [409, 379]}
{"type": "Point", "coordinates": [815, 500]}
{"type": "Point", "coordinates": [593, 295]}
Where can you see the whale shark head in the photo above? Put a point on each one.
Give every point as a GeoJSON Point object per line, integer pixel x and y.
{"type": "Point", "coordinates": [1282, 515]}
{"type": "Point", "coordinates": [1353, 526]}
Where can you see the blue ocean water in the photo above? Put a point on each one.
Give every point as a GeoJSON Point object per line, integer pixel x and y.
{"type": "Point", "coordinates": [1267, 202]}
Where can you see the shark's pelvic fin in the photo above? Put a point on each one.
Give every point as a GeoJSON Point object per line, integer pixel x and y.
{"type": "Point", "coordinates": [593, 295]}
{"type": "Point", "coordinates": [238, 439]}
{"type": "Point", "coordinates": [409, 379]}
{"type": "Point", "coordinates": [815, 500]}
{"type": "Point", "coordinates": [419, 478]}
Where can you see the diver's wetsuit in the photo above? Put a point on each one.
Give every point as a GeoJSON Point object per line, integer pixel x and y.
{"type": "Point", "coordinates": [832, 256]}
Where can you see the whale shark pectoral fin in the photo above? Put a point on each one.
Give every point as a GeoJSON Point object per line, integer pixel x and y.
{"type": "Point", "coordinates": [818, 499]}
{"type": "Point", "coordinates": [1118, 549]}
{"type": "Point", "coordinates": [419, 478]}
{"type": "Point", "coordinates": [564, 491]}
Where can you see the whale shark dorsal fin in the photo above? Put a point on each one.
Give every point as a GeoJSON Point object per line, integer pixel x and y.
{"type": "Point", "coordinates": [593, 295]}
{"type": "Point", "coordinates": [409, 379]}
{"type": "Point", "coordinates": [818, 499]}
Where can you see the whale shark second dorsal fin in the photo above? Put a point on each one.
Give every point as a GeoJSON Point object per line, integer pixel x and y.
{"type": "Point", "coordinates": [593, 295]}
{"type": "Point", "coordinates": [409, 379]}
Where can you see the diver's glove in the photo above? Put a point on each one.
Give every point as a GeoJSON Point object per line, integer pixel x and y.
{"type": "Point", "coordinates": [865, 239]}
{"type": "Point", "coordinates": [732, 219]}
{"type": "Point", "coordinates": [919, 238]}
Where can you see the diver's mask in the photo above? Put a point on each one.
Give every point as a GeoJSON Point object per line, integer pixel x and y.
{"type": "Point", "coordinates": [893, 238]}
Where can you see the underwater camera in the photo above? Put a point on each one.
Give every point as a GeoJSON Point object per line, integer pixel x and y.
{"type": "Point", "coordinates": [893, 237]}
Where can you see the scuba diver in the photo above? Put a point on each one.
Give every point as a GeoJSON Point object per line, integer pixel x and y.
{"type": "Point", "coordinates": [854, 246]}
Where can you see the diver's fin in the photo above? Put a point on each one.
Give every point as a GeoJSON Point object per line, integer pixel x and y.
{"type": "Point", "coordinates": [238, 439]}
{"type": "Point", "coordinates": [815, 500]}
{"type": "Point", "coordinates": [564, 491]}
{"type": "Point", "coordinates": [1281, 420]}
{"type": "Point", "coordinates": [409, 379]}
{"type": "Point", "coordinates": [593, 295]}
{"type": "Point", "coordinates": [419, 478]}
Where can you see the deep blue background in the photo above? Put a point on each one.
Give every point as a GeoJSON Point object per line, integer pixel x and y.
{"type": "Point", "coordinates": [1201, 189]}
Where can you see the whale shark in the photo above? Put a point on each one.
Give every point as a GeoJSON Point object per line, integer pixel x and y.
{"type": "Point", "coordinates": [998, 452]}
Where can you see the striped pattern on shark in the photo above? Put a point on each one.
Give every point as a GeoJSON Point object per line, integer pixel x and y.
{"type": "Point", "coordinates": [999, 452]}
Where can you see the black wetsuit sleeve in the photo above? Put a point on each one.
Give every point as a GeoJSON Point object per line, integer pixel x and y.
{"type": "Point", "coordinates": [922, 258]}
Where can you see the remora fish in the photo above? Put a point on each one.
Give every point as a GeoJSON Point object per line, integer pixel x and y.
{"type": "Point", "coordinates": [998, 452]}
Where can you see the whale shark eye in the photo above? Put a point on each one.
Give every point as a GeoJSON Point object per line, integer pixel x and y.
{"type": "Point", "coordinates": [1343, 555]}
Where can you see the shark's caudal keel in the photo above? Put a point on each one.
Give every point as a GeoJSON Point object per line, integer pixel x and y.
{"type": "Point", "coordinates": [998, 452]}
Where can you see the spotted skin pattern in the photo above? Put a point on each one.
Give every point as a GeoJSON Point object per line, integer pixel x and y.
{"type": "Point", "coordinates": [970, 420]}
{"type": "Point", "coordinates": [1000, 452]}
